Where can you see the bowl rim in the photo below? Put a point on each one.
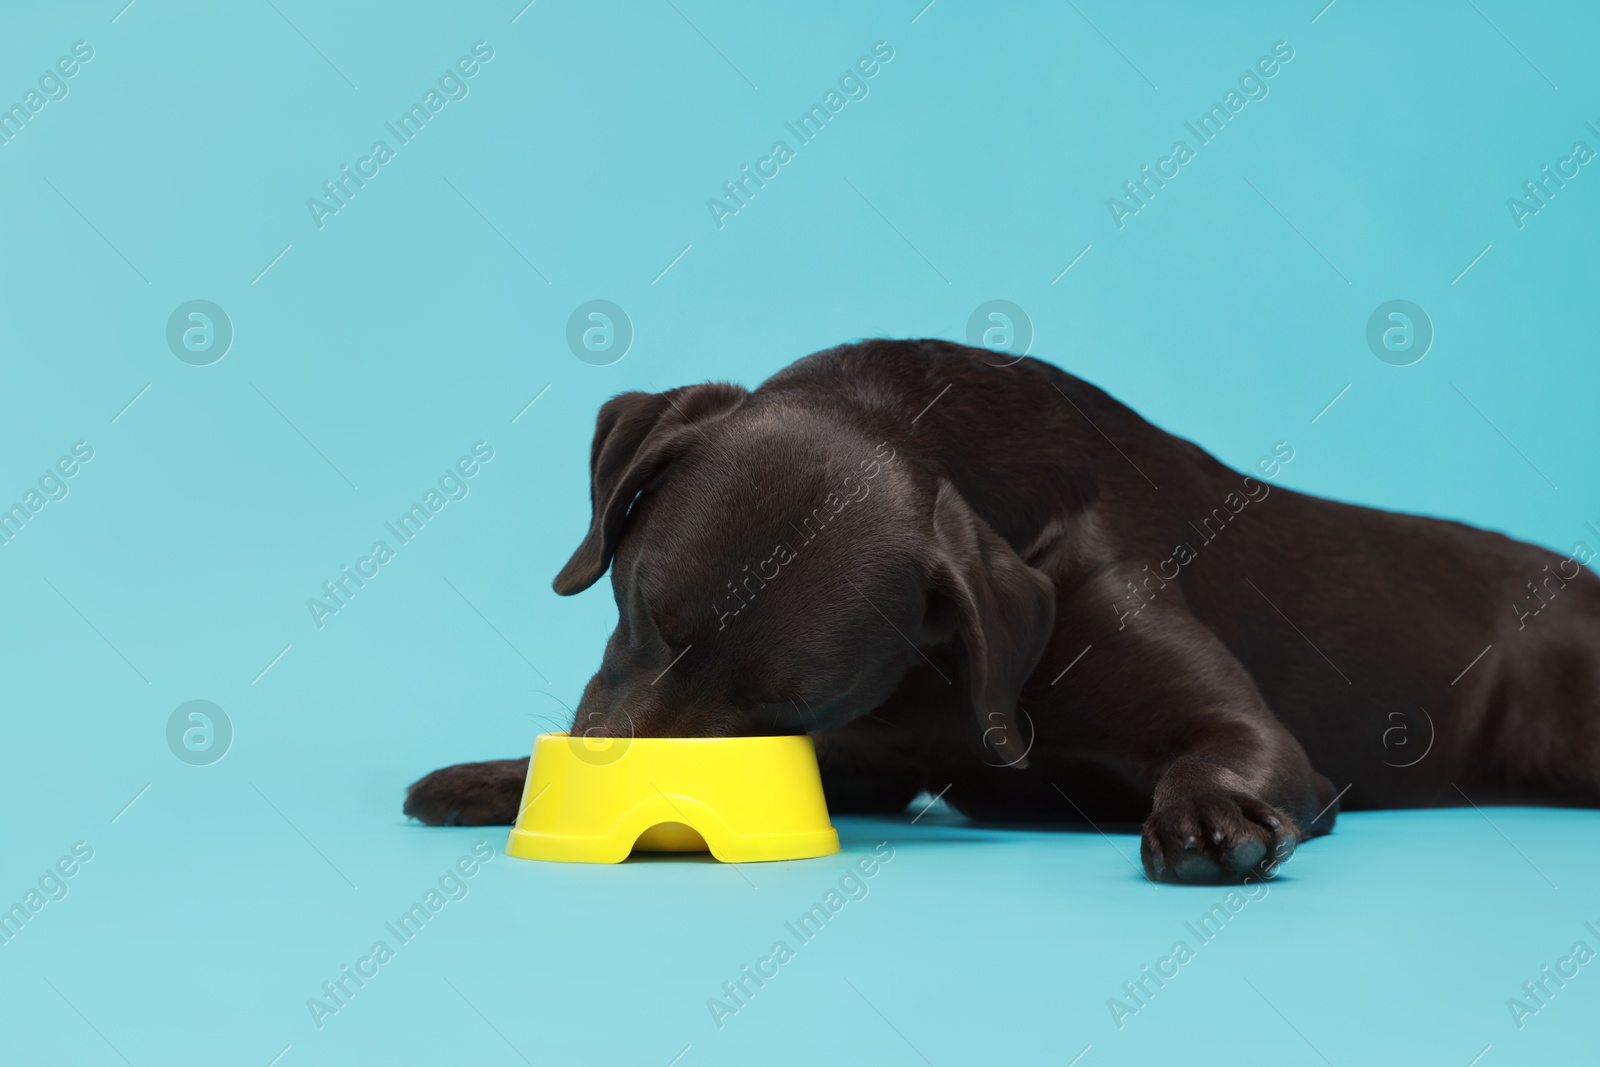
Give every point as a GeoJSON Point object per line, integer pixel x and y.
{"type": "Point", "coordinates": [565, 735]}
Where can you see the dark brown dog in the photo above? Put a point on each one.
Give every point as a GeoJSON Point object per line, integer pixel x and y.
{"type": "Point", "coordinates": [997, 582]}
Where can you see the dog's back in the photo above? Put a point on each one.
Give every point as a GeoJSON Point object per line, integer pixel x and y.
{"type": "Point", "coordinates": [1422, 660]}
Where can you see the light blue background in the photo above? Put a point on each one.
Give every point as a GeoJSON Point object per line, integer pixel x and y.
{"type": "Point", "coordinates": [376, 350]}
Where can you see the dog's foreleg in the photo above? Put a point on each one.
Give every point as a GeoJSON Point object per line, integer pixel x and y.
{"type": "Point", "coordinates": [469, 794]}
{"type": "Point", "coordinates": [1233, 791]}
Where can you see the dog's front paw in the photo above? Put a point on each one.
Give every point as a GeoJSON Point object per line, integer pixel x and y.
{"type": "Point", "coordinates": [469, 794]}
{"type": "Point", "coordinates": [1216, 837]}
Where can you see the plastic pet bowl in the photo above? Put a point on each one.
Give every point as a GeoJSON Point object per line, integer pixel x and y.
{"type": "Point", "coordinates": [595, 800]}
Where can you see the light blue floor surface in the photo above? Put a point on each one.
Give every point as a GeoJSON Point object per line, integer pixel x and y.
{"type": "Point", "coordinates": [1400, 939]}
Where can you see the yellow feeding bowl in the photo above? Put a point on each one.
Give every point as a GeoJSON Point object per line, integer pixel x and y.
{"type": "Point", "coordinates": [596, 799]}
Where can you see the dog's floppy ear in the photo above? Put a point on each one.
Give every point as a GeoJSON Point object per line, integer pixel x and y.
{"type": "Point", "coordinates": [635, 436]}
{"type": "Point", "coordinates": [1005, 610]}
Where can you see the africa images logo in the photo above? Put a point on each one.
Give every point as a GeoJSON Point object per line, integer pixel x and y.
{"type": "Point", "coordinates": [1205, 129]}
{"type": "Point", "coordinates": [1538, 192]}
{"type": "Point", "coordinates": [52, 86]}
{"type": "Point", "coordinates": [852, 86]}
{"type": "Point", "coordinates": [453, 485]}
{"type": "Point", "coordinates": [452, 85]}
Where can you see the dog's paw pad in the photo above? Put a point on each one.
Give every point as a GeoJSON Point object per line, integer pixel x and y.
{"type": "Point", "coordinates": [1215, 837]}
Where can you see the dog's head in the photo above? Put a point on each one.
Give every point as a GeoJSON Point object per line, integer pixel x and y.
{"type": "Point", "coordinates": [778, 568]}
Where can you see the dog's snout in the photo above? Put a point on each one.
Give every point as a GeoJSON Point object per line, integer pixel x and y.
{"type": "Point", "coordinates": [600, 720]}
{"type": "Point", "coordinates": [638, 710]}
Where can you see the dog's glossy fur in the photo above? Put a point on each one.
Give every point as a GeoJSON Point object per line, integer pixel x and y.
{"type": "Point", "coordinates": [980, 576]}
